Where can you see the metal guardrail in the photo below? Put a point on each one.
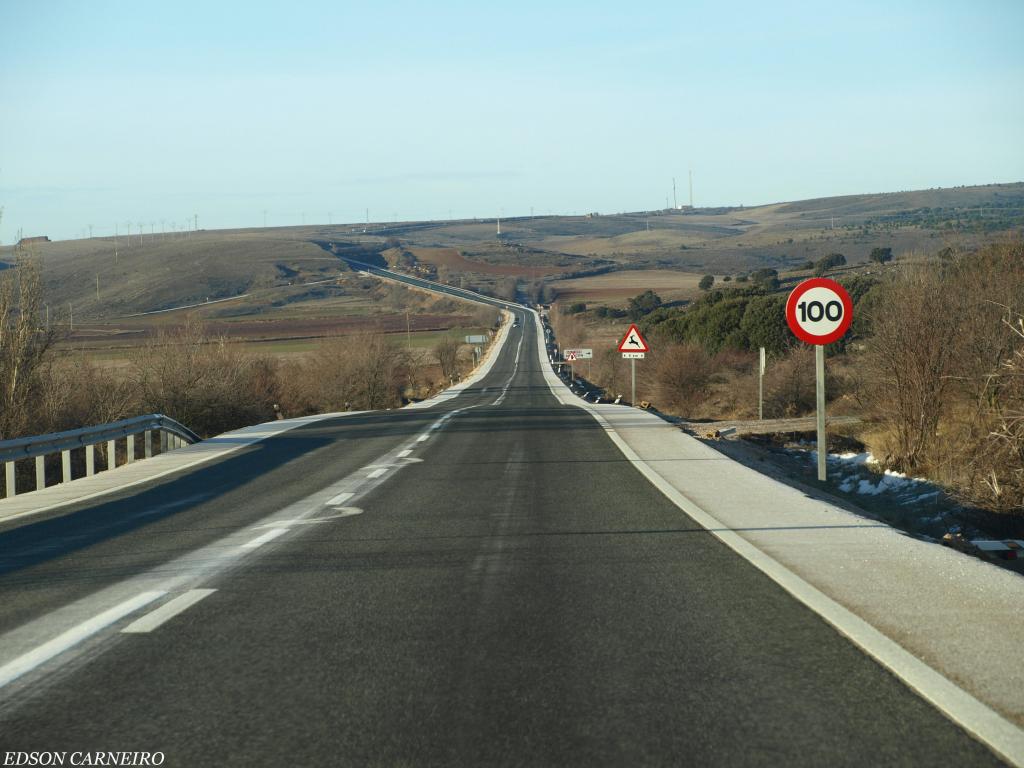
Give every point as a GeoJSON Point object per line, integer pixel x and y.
{"type": "Point", "coordinates": [171, 435]}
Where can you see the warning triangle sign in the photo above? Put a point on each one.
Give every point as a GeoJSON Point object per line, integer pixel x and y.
{"type": "Point", "coordinates": [633, 341]}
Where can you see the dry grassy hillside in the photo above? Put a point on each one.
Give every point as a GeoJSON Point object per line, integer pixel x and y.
{"type": "Point", "coordinates": [157, 272]}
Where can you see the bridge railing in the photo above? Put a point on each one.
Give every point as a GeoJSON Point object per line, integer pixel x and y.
{"type": "Point", "coordinates": [169, 434]}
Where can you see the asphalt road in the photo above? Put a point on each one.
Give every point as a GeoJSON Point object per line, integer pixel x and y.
{"type": "Point", "coordinates": [485, 582]}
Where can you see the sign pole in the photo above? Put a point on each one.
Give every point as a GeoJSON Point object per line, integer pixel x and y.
{"type": "Point", "coordinates": [819, 369]}
{"type": "Point", "coordinates": [760, 389]}
{"type": "Point", "coordinates": [819, 311]}
{"type": "Point", "coordinates": [632, 366]}
{"type": "Point", "coordinates": [633, 347]}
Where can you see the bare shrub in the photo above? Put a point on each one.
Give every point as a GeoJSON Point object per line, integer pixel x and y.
{"type": "Point", "coordinates": [682, 375]}
{"type": "Point", "coordinates": [447, 353]}
{"type": "Point", "coordinates": [612, 372]}
{"type": "Point", "coordinates": [23, 345]}
{"type": "Point", "coordinates": [361, 372]}
{"type": "Point", "coordinates": [789, 384]}
{"type": "Point", "coordinates": [75, 392]}
{"type": "Point", "coordinates": [938, 334]}
{"type": "Point", "coordinates": [570, 330]}
{"type": "Point", "coordinates": [909, 361]}
{"type": "Point", "coordinates": [206, 384]}
{"type": "Point", "coordinates": [993, 475]}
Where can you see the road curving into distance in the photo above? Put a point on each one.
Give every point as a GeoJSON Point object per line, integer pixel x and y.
{"type": "Point", "coordinates": [485, 581]}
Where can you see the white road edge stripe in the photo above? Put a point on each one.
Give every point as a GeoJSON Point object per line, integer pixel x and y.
{"type": "Point", "coordinates": [167, 611]}
{"type": "Point", "coordinates": [969, 713]}
{"type": "Point", "coordinates": [12, 670]}
{"type": "Point", "coordinates": [270, 535]}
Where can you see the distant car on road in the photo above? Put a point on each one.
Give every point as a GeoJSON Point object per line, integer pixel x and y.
{"type": "Point", "coordinates": [515, 323]}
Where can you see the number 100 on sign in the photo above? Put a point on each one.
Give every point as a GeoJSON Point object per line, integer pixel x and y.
{"type": "Point", "coordinates": [819, 311]}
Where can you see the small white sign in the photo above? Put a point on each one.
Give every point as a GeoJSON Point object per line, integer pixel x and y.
{"type": "Point", "coordinates": [579, 354]}
{"type": "Point", "coordinates": [632, 355]}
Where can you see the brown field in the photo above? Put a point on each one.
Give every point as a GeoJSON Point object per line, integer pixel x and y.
{"type": "Point", "coordinates": [615, 288]}
{"type": "Point", "coordinates": [454, 260]}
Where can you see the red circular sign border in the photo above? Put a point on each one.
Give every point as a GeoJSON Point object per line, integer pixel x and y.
{"type": "Point", "coordinates": [800, 290]}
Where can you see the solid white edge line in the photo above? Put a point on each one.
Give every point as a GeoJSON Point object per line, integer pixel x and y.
{"type": "Point", "coordinates": [62, 642]}
{"type": "Point", "coordinates": [167, 611]}
{"type": "Point", "coordinates": [262, 539]}
{"type": "Point", "coordinates": [974, 716]}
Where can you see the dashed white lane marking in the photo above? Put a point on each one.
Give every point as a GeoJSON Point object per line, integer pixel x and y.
{"type": "Point", "coordinates": [515, 368]}
{"type": "Point", "coordinates": [62, 642]}
{"type": "Point", "coordinates": [421, 438]}
{"type": "Point", "coordinates": [340, 499]}
{"type": "Point", "coordinates": [403, 454]}
{"type": "Point", "coordinates": [377, 472]}
{"type": "Point", "coordinates": [259, 541]}
{"type": "Point", "coordinates": [167, 611]}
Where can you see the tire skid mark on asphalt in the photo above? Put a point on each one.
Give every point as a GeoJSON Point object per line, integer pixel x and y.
{"type": "Point", "coordinates": [72, 636]}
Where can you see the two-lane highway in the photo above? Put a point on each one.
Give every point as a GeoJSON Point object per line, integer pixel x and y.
{"type": "Point", "coordinates": [484, 582]}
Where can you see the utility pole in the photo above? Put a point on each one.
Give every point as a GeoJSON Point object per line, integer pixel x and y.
{"type": "Point", "coordinates": [195, 218]}
{"type": "Point", "coordinates": [90, 231]}
{"type": "Point", "coordinates": [675, 202]}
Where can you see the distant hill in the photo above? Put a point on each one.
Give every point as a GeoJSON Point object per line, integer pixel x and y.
{"type": "Point", "coordinates": [161, 271]}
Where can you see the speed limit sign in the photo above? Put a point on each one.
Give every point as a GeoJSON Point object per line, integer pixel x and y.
{"type": "Point", "coordinates": [819, 311]}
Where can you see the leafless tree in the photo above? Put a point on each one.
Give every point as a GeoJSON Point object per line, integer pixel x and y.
{"type": "Point", "coordinates": [447, 352]}
{"type": "Point", "coordinates": [24, 344]}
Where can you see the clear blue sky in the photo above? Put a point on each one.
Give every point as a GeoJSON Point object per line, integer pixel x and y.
{"type": "Point", "coordinates": [118, 112]}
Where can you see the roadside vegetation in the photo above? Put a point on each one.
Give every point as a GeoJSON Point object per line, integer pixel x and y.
{"type": "Point", "coordinates": [934, 364]}
{"type": "Point", "coordinates": [204, 381]}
